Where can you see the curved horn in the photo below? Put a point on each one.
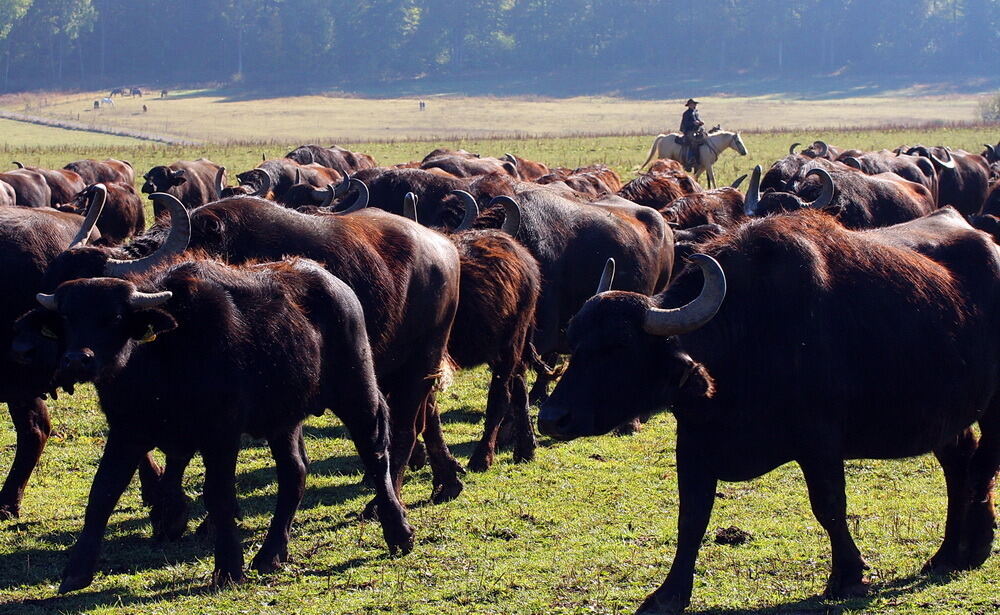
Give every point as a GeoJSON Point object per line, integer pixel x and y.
{"type": "Point", "coordinates": [826, 196]}
{"type": "Point", "coordinates": [991, 151]}
{"type": "Point", "coordinates": [791, 148]}
{"type": "Point", "coordinates": [680, 320]}
{"type": "Point", "coordinates": [343, 186]}
{"type": "Point", "coordinates": [410, 207]}
{"type": "Point", "coordinates": [98, 197]}
{"type": "Point", "coordinates": [263, 157]}
{"type": "Point", "coordinates": [220, 183]}
{"type": "Point", "coordinates": [471, 210]}
{"type": "Point", "coordinates": [510, 158]}
{"type": "Point", "coordinates": [325, 196]}
{"type": "Point", "coordinates": [362, 201]}
{"type": "Point", "coordinates": [259, 179]}
{"type": "Point", "coordinates": [945, 164]}
{"type": "Point", "coordinates": [739, 181]}
{"type": "Point", "coordinates": [512, 214]}
{"type": "Point", "coordinates": [144, 301]}
{"type": "Point", "coordinates": [47, 301]}
{"type": "Point", "coordinates": [17, 164]}
{"type": "Point", "coordinates": [826, 149]}
{"type": "Point", "coordinates": [852, 162]}
{"type": "Point", "coordinates": [175, 243]}
{"type": "Point", "coordinates": [298, 177]}
{"type": "Point", "coordinates": [607, 277]}
{"type": "Point", "coordinates": [753, 193]}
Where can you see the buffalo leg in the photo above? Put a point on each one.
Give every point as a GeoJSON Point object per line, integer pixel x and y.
{"type": "Point", "coordinates": [220, 500]}
{"type": "Point", "coordinates": [31, 422]}
{"type": "Point", "coordinates": [445, 469]}
{"type": "Point", "coordinates": [149, 479]}
{"type": "Point", "coordinates": [954, 458]}
{"type": "Point", "coordinates": [524, 442]}
{"type": "Point", "coordinates": [696, 491]}
{"type": "Point", "coordinates": [370, 433]}
{"type": "Point", "coordinates": [540, 389]}
{"type": "Point", "coordinates": [169, 515]}
{"type": "Point", "coordinates": [118, 464]}
{"type": "Point", "coordinates": [497, 403]}
{"type": "Point", "coordinates": [291, 467]}
{"type": "Point", "coordinates": [980, 520]}
{"type": "Point", "coordinates": [825, 481]}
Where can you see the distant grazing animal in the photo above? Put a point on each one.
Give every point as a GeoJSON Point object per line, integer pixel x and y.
{"type": "Point", "coordinates": [667, 146]}
{"type": "Point", "coordinates": [117, 92]}
{"type": "Point", "coordinates": [163, 93]}
{"type": "Point", "coordinates": [752, 348]}
{"type": "Point", "coordinates": [107, 102]}
{"type": "Point", "coordinates": [135, 92]}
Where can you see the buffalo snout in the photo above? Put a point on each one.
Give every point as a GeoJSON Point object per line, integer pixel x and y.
{"type": "Point", "coordinates": [78, 365]}
{"type": "Point", "coordinates": [555, 422]}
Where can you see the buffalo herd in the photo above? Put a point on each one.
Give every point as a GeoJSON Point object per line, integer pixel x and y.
{"type": "Point", "coordinates": [843, 307]}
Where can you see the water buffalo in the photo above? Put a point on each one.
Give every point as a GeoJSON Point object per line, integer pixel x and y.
{"type": "Point", "coordinates": [103, 171]}
{"type": "Point", "coordinates": [831, 344]}
{"type": "Point", "coordinates": [193, 182]}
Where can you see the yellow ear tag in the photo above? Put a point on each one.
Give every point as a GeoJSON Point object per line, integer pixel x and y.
{"type": "Point", "coordinates": [149, 337]}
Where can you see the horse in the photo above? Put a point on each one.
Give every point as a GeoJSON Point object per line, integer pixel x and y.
{"type": "Point", "coordinates": [716, 141]}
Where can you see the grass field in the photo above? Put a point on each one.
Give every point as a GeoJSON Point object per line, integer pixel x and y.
{"type": "Point", "coordinates": [589, 527]}
{"type": "Point", "coordinates": [209, 116]}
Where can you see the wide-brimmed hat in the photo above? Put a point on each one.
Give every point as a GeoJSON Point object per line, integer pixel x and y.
{"type": "Point", "coordinates": [691, 101]}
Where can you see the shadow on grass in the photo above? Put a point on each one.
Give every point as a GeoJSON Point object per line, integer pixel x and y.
{"type": "Point", "coordinates": [817, 604]}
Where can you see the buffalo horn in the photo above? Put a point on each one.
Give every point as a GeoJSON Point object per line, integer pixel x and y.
{"type": "Point", "coordinates": [144, 301]}
{"type": "Point", "coordinates": [220, 182]}
{"type": "Point", "coordinates": [98, 196]}
{"type": "Point", "coordinates": [945, 164]}
{"type": "Point", "coordinates": [852, 162]}
{"type": "Point", "coordinates": [825, 151]}
{"type": "Point", "coordinates": [47, 301]}
{"type": "Point", "coordinates": [753, 193]}
{"type": "Point", "coordinates": [680, 320]}
{"type": "Point", "coordinates": [410, 206]}
{"type": "Point", "coordinates": [470, 207]}
{"type": "Point", "coordinates": [791, 148]}
{"type": "Point", "coordinates": [362, 201]}
{"type": "Point", "coordinates": [826, 196]}
{"type": "Point", "coordinates": [512, 214]}
{"type": "Point", "coordinates": [325, 196]}
{"type": "Point", "coordinates": [607, 277]}
{"type": "Point", "coordinates": [739, 181]}
{"type": "Point", "coordinates": [260, 180]}
{"type": "Point", "coordinates": [175, 243]}
{"type": "Point", "coordinates": [17, 164]}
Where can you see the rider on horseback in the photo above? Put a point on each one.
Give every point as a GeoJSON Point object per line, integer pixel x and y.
{"type": "Point", "coordinates": [694, 134]}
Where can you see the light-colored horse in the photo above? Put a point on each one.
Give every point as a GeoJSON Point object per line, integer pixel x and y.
{"type": "Point", "coordinates": [666, 146]}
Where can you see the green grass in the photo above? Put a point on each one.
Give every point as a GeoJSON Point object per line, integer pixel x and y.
{"type": "Point", "coordinates": [589, 527]}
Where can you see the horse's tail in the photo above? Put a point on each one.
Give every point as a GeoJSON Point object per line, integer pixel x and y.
{"type": "Point", "coordinates": [652, 151]}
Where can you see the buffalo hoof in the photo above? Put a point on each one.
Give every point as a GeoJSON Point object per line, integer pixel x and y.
{"type": "Point", "coordinates": [655, 604]}
{"type": "Point", "coordinates": [400, 539]}
{"type": "Point", "coordinates": [222, 578]}
{"type": "Point", "coordinates": [447, 492]}
{"type": "Point", "coordinates": [940, 564]}
{"type": "Point", "coordinates": [524, 450]}
{"type": "Point", "coordinates": [73, 582]}
{"type": "Point", "coordinates": [480, 462]}
{"type": "Point", "coordinates": [169, 518]}
{"type": "Point", "coordinates": [370, 513]}
{"type": "Point", "coordinates": [9, 511]}
{"type": "Point", "coordinates": [418, 458]}
{"type": "Point", "coordinates": [628, 429]}
{"type": "Point", "coordinates": [266, 562]}
{"type": "Point", "coordinates": [837, 590]}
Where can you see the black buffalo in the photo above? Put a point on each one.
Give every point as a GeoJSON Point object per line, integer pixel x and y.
{"type": "Point", "coordinates": [831, 344]}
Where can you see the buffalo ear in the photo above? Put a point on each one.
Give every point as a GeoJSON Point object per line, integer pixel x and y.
{"type": "Point", "coordinates": [177, 181]}
{"type": "Point", "coordinates": [697, 382]}
{"type": "Point", "coordinates": [145, 325]}
{"type": "Point", "coordinates": [39, 321]}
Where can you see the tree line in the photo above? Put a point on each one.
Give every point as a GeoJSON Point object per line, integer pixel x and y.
{"type": "Point", "coordinates": [301, 43]}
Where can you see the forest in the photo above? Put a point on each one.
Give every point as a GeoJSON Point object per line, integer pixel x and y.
{"type": "Point", "coordinates": [312, 44]}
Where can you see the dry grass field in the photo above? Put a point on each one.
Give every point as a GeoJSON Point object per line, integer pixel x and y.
{"type": "Point", "coordinates": [207, 116]}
